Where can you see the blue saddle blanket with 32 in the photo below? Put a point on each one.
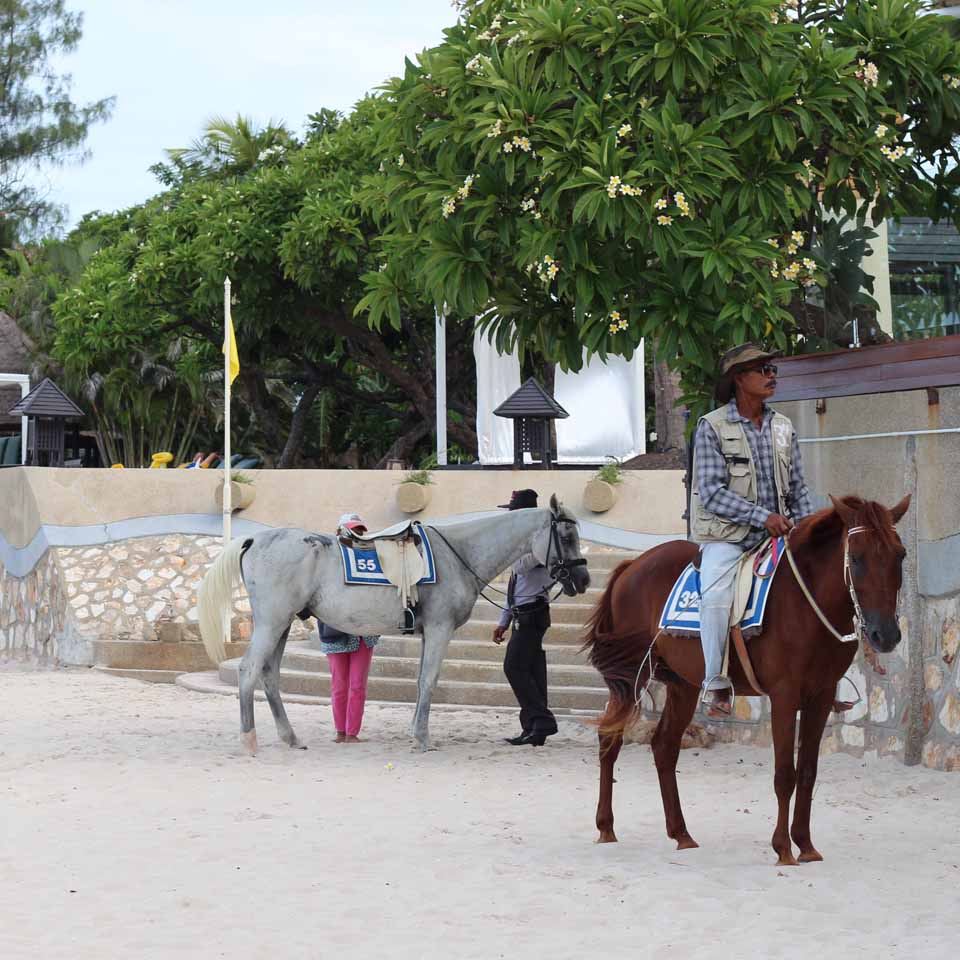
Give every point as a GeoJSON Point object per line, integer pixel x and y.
{"type": "Point", "coordinates": [363, 566]}
{"type": "Point", "coordinates": [681, 612]}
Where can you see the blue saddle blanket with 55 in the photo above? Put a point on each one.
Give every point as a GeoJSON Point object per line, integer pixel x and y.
{"type": "Point", "coordinates": [681, 612]}
{"type": "Point", "coordinates": [363, 566]}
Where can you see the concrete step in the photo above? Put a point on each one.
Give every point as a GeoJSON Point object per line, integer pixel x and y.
{"type": "Point", "coordinates": [454, 668]}
{"type": "Point", "coordinates": [605, 558]}
{"type": "Point", "coordinates": [404, 690]}
{"type": "Point", "coordinates": [560, 611]}
{"type": "Point", "coordinates": [210, 682]}
{"type": "Point", "coordinates": [148, 676]}
{"type": "Point", "coordinates": [179, 657]}
{"type": "Point", "coordinates": [598, 578]}
{"type": "Point", "coordinates": [558, 632]}
{"type": "Point", "coordinates": [564, 653]}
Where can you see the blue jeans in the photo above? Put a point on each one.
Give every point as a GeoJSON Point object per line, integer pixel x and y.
{"type": "Point", "coordinates": [717, 585]}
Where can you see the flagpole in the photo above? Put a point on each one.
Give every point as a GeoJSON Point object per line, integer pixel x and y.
{"type": "Point", "coordinates": [227, 491]}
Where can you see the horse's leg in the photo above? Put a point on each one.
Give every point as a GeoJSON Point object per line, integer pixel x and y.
{"type": "Point", "coordinates": [436, 639]}
{"type": "Point", "coordinates": [677, 714]}
{"type": "Point", "coordinates": [271, 687]}
{"type": "Point", "coordinates": [262, 642]}
{"type": "Point", "coordinates": [610, 745]}
{"type": "Point", "coordinates": [813, 719]}
{"type": "Point", "coordinates": [784, 721]}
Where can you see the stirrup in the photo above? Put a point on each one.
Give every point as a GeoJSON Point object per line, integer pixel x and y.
{"type": "Point", "coordinates": [706, 705]}
{"type": "Point", "coordinates": [408, 621]}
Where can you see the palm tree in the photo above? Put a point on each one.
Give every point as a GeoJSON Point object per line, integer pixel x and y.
{"type": "Point", "coordinates": [233, 146]}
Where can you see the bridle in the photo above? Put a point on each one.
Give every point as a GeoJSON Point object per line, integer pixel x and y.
{"type": "Point", "coordinates": [858, 618]}
{"type": "Point", "coordinates": [560, 569]}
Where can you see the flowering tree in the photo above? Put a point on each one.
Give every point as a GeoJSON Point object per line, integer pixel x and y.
{"type": "Point", "coordinates": [582, 175]}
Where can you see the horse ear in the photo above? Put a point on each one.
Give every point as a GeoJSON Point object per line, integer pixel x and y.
{"type": "Point", "coordinates": [846, 514]}
{"type": "Point", "coordinates": [554, 504]}
{"type": "Point", "coordinates": [897, 512]}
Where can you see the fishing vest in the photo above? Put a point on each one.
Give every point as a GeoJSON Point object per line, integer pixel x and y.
{"type": "Point", "coordinates": [707, 527]}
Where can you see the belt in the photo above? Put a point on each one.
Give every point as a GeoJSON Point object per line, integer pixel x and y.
{"type": "Point", "coordinates": [533, 605]}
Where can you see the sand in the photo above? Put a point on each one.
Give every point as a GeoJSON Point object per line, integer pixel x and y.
{"type": "Point", "coordinates": [133, 826]}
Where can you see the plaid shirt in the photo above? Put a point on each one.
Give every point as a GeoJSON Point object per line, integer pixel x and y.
{"type": "Point", "coordinates": [712, 477]}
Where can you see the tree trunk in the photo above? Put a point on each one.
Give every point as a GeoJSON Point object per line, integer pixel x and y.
{"type": "Point", "coordinates": [402, 448]}
{"type": "Point", "coordinates": [670, 421]}
{"type": "Point", "coordinates": [298, 427]}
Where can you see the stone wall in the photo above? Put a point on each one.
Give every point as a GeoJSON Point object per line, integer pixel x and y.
{"type": "Point", "coordinates": [941, 682]}
{"type": "Point", "coordinates": [141, 589]}
{"type": "Point", "coordinates": [124, 589]}
{"type": "Point", "coordinates": [33, 613]}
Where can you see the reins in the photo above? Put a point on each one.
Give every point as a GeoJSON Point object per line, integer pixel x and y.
{"type": "Point", "coordinates": [560, 570]}
{"type": "Point", "coordinates": [848, 580]}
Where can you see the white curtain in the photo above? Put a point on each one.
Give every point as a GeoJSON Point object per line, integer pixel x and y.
{"type": "Point", "coordinates": [607, 410]}
{"type": "Point", "coordinates": [498, 375]}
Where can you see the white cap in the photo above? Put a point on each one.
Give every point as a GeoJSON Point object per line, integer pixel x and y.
{"type": "Point", "coordinates": [348, 518]}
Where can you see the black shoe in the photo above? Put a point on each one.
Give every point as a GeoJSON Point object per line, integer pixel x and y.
{"type": "Point", "coordinates": [517, 741]}
{"type": "Point", "coordinates": [535, 738]}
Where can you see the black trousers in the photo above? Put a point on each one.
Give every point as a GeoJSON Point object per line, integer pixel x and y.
{"type": "Point", "coordinates": [525, 665]}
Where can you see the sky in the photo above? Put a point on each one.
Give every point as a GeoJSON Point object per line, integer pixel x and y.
{"type": "Point", "coordinates": [174, 64]}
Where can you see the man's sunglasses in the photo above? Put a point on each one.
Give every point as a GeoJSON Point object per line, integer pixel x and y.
{"type": "Point", "coordinates": [768, 370]}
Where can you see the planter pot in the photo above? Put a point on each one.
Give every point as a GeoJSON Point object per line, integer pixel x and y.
{"type": "Point", "coordinates": [412, 497]}
{"type": "Point", "coordinates": [241, 495]}
{"type": "Point", "coordinates": [599, 496]}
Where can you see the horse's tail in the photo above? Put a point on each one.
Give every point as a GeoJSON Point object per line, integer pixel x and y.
{"type": "Point", "coordinates": [600, 622]}
{"type": "Point", "coordinates": [618, 657]}
{"type": "Point", "coordinates": [215, 600]}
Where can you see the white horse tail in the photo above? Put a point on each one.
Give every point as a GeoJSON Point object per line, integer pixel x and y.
{"type": "Point", "coordinates": [216, 599]}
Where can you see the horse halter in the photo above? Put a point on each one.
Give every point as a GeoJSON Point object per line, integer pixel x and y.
{"type": "Point", "coordinates": [858, 618]}
{"type": "Point", "coordinates": [560, 569]}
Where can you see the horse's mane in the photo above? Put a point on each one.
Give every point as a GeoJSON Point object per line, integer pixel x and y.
{"type": "Point", "coordinates": [826, 525]}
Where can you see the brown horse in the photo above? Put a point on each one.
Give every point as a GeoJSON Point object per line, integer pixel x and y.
{"type": "Point", "coordinates": [797, 660]}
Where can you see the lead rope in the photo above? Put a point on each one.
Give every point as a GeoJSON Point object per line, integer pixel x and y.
{"type": "Point", "coordinates": [848, 580]}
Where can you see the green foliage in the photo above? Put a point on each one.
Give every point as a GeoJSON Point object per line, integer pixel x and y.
{"type": "Point", "coordinates": [583, 175]}
{"type": "Point", "coordinates": [611, 472]}
{"type": "Point", "coordinates": [420, 477]}
{"type": "Point", "coordinates": [289, 230]}
{"type": "Point", "coordinates": [39, 122]}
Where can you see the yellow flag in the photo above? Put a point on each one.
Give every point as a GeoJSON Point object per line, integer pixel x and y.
{"type": "Point", "coordinates": [230, 350]}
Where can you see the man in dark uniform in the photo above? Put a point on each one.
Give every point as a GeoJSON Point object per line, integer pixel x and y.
{"type": "Point", "coordinates": [528, 606]}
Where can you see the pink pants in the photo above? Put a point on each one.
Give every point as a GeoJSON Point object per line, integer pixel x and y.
{"type": "Point", "coordinates": [348, 687]}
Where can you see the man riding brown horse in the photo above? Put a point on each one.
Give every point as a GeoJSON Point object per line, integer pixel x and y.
{"type": "Point", "coordinates": [747, 485]}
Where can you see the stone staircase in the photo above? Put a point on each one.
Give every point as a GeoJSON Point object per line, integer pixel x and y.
{"type": "Point", "coordinates": [472, 673]}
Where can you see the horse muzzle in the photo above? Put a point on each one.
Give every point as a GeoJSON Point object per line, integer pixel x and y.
{"type": "Point", "coordinates": [881, 630]}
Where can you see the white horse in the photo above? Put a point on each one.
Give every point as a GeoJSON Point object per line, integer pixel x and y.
{"type": "Point", "coordinates": [294, 573]}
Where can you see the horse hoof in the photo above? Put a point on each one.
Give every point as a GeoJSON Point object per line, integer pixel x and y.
{"type": "Point", "coordinates": [607, 836]}
{"type": "Point", "coordinates": [297, 745]}
{"type": "Point", "coordinates": [810, 856]}
{"type": "Point", "coordinates": [687, 843]}
{"type": "Point", "coordinates": [787, 860]}
{"type": "Point", "coordinates": [249, 741]}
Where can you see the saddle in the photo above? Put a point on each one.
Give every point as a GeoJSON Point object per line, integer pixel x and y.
{"type": "Point", "coordinates": [404, 530]}
{"type": "Point", "coordinates": [401, 561]}
{"type": "Point", "coordinates": [748, 568]}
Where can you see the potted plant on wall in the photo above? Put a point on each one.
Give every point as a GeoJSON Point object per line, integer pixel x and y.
{"type": "Point", "coordinates": [600, 493]}
{"type": "Point", "coordinates": [413, 492]}
{"type": "Point", "coordinates": [242, 492]}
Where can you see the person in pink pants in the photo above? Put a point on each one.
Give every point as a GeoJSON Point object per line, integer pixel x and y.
{"type": "Point", "coordinates": [349, 670]}
{"type": "Point", "coordinates": [349, 658]}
